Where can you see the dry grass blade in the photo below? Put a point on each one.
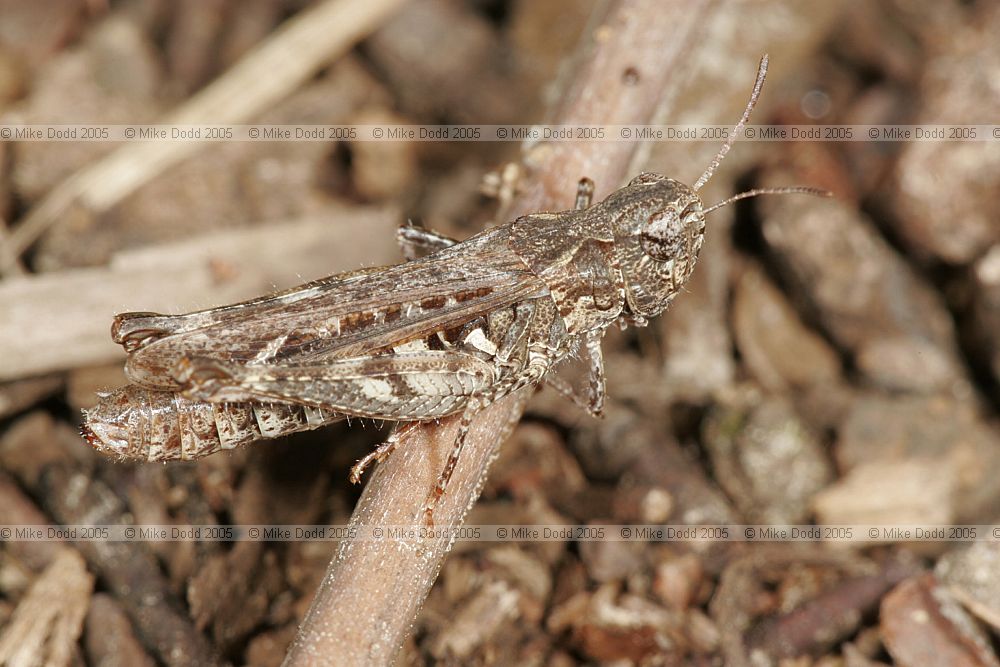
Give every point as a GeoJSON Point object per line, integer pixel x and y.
{"type": "Point", "coordinates": [74, 307]}
{"type": "Point", "coordinates": [278, 66]}
{"type": "Point", "coordinates": [373, 589]}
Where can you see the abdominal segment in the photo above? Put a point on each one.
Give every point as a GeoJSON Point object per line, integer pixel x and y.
{"type": "Point", "coordinates": [149, 425]}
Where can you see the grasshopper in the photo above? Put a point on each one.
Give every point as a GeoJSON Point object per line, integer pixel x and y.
{"type": "Point", "coordinates": [445, 333]}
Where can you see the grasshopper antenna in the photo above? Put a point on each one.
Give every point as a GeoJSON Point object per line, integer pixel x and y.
{"type": "Point", "coordinates": [758, 84]}
{"type": "Point", "coordinates": [790, 190]}
{"type": "Point", "coordinates": [734, 135]}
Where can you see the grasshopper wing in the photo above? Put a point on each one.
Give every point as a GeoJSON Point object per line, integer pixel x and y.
{"type": "Point", "coordinates": [347, 315]}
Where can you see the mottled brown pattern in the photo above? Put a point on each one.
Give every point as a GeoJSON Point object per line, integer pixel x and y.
{"type": "Point", "coordinates": [358, 321]}
{"type": "Point", "coordinates": [421, 340]}
{"type": "Point", "coordinates": [469, 295]}
{"type": "Point", "coordinates": [136, 423]}
{"type": "Point", "coordinates": [496, 279]}
{"type": "Point", "coordinates": [447, 333]}
{"type": "Point", "coordinates": [433, 303]}
{"type": "Point", "coordinates": [393, 314]}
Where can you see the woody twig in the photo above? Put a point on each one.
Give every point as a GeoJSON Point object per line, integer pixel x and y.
{"type": "Point", "coordinates": [373, 589]}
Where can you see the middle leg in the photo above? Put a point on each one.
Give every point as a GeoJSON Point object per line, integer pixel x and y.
{"type": "Point", "coordinates": [598, 379]}
{"type": "Point", "coordinates": [382, 452]}
{"type": "Point", "coordinates": [593, 402]}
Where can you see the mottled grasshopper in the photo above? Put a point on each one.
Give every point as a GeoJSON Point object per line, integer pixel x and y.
{"type": "Point", "coordinates": [446, 333]}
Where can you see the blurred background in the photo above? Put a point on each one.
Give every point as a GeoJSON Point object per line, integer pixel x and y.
{"type": "Point", "coordinates": [831, 361]}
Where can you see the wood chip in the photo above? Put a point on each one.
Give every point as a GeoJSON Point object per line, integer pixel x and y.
{"type": "Point", "coordinates": [922, 624]}
{"type": "Point", "coordinates": [47, 623]}
{"type": "Point", "coordinates": [110, 640]}
{"type": "Point", "coordinates": [971, 576]}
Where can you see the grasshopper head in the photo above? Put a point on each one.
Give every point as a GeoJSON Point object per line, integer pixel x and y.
{"type": "Point", "coordinates": [662, 224]}
{"type": "Point", "coordinates": [659, 234]}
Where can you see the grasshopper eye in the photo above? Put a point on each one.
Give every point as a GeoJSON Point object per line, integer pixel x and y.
{"type": "Point", "coordinates": [662, 237]}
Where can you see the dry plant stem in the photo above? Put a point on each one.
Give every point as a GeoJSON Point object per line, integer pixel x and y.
{"type": "Point", "coordinates": [10, 263]}
{"type": "Point", "coordinates": [68, 312]}
{"type": "Point", "coordinates": [295, 52]}
{"type": "Point", "coordinates": [20, 394]}
{"type": "Point", "coordinates": [367, 602]}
